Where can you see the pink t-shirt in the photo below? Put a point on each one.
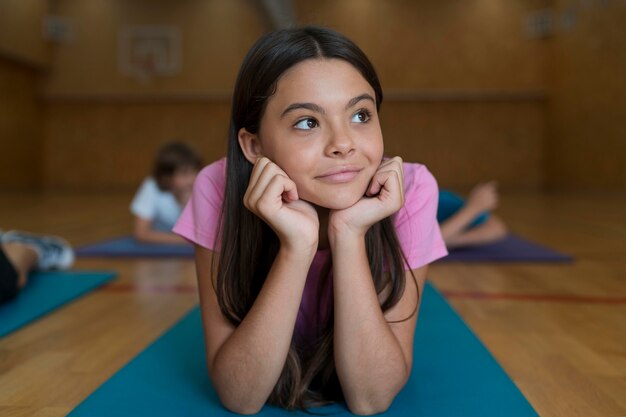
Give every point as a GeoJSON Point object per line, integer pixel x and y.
{"type": "Point", "coordinates": [416, 227]}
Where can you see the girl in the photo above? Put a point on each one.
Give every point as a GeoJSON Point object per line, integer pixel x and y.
{"type": "Point", "coordinates": [309, 288]}
{"type": "Point", "coordinates": [161, 197]}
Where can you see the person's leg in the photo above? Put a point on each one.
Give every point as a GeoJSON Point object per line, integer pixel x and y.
{"type": "Point", "coordinates": [51, 251]}
{"type": "Point", "coordinates": [470, 223]}
{"type": "Point", "coordinates": [22, 252]}
{"type": "Point", "coordinates": [456, 218]}
{"type": "Point", "coordinates": [11, 280]}
{"type": "Point", "coordinates": [23, 259]}
{"type": "Point", "coordinates": [493, 229]}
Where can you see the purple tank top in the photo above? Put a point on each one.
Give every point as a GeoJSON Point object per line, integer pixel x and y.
{"type": "Point", "coordinates": [314, 308]}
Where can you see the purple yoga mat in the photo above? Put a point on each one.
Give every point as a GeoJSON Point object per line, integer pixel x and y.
{"type": "Point", "coordinates": [510, 249]}
{"type": "Point", "coordinates": [128, 247]}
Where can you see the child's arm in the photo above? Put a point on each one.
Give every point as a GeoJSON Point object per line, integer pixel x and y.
{"type": "Point", "coordinates": [372, 357]}
{"type": "Point", "coordinates": [143, 232]}
{"type": "Point", "coordinates": [245, 362]}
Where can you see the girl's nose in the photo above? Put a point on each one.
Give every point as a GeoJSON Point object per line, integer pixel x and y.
{"type": "Point", "coordinates": [340, 143]}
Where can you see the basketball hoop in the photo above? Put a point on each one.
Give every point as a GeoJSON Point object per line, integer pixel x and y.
{"type": "Point", "coordinates": [147, 52]}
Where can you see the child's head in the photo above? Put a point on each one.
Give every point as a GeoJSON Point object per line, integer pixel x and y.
{"type": "Point", "coordinates": [175, 167]}
{"type": "Point", "coordinates": [308, 99]}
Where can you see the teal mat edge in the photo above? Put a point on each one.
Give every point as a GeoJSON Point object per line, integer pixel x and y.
{"type": "Point", "coordinates": [104, 277]}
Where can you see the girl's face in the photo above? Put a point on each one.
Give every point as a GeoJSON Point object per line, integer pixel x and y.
{"type": "Point", "coordinates": [182, 180]}
{"type": "Point", "coordinates": [321, 127]}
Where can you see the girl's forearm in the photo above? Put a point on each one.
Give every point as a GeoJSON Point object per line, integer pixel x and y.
{"type": "Point", "coordinates": [369, 360]}
{"type": "Point", "coordinates": [248, 365]}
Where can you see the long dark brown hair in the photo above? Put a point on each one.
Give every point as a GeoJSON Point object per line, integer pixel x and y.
{"type": "Point", "coordinates": [249, 246]}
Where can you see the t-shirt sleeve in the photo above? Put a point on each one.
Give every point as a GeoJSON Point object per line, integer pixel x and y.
{"type": "Point", "coordinates": [416, 222]}
{"type": "Point", "coordinates": [144, 202]}
{"type": "Point", "coordinates": [200, 219]}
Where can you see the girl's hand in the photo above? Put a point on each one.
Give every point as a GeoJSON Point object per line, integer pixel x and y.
{"type": "Point", "coordinates": [273, 196]}
{"type": "Point", "coordinates": [384, 196]}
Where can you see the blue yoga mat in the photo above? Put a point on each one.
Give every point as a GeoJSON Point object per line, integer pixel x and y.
{"type": "Point", "coordinates": [45, 292]}
{"type": "Point", "coordinates": [510, 249]}
{"type": "Point", "coordinates": [128, 247]}
{"type": "Point", "coordinates": [453, 375]}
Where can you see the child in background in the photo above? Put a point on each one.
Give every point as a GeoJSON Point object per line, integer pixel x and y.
{"type": "Point", "coordinates": [21, 253]}
{"type": "Point", "coordinates": [161, 198]}
{"type": "Point", "coordinates": [311, 248]}
{"type": "Point", "coordinates": [470, 223]}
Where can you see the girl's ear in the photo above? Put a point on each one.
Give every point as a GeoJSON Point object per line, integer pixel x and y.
{"type": "Point", "coordinates": [250, 145]}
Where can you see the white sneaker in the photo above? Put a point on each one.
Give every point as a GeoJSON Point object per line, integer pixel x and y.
{"type": "Point", "coordinates": [52, 252]}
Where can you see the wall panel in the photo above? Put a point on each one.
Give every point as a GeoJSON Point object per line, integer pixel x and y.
{"type": "Point", "coordinates": [20, 127]}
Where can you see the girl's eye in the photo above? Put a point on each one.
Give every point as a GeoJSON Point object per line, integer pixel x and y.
{"type": "Point", "coordinates": [306, 124]}
{"type": "Point", "coordinates": [362, 116]}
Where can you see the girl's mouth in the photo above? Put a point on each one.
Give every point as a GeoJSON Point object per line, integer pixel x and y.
{"type": "Point", "coordinates": [340, 175]}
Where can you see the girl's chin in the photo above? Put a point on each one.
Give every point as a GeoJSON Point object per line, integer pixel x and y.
{"type": "Point", "coordinates": [335, 203]}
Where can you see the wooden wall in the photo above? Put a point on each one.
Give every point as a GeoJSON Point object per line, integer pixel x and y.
{"type": "Point", "coordinates": [102, 128]}
{"type": "Point", "coordinates": [215, 36]}
{"type": "Point", "coordinates": [467, 91]}
{"type": "Point", "coordinates": [464, 142]}
{"type": "Point", "coordinates": [20, 127]}
{"type": "Point", "coordinates": [110, 145]}
{"type": "Point", "coordinates": [587, 113]}
{"type": "Point", "coordinates": [20, 31]}
{"type": "Point", "coordinates": [24, 56]}
{"type": "Point", "coordinates": [446, 66]}
{"type": "Point", "coordinates": [465, 88]}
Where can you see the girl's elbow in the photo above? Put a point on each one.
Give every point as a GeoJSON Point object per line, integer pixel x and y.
{"type": "Point", "coordinates": [238, 401]}
{"type": "Point", "coordinates": [369, 407]}
{"type": "Point", "coordinates": [239, 404]}
{"type": "Point", "coordinates": [241, 407]}
{"type": "Point", "coordinates": [367, 404]}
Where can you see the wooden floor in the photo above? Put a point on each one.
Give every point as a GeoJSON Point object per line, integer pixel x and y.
{"type": "Point", "coordinates": [558, 330]}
